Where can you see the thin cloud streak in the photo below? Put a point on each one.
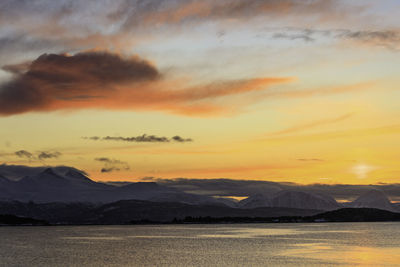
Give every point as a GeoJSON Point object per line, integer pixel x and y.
{"type": "Point", "coordinates": [311, 125]}
{"type": "Point", "coordinates": [386, 38]}
{"type": "Point", "coordinates": [141, 139]}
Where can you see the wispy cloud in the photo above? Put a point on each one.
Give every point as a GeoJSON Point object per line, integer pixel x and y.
{"type": "Point", "coordinates": [386, 38]}
{"type": "Point", "coordinates": [48, 155]}
{"type": "Point", "coordinates": [111, 165]}
{"type": "Point", "coordinates": [306, 126]}
{"type": "Point", "coordinates": [383, 38]}
{"type": "Point", "coordinates": [41, 155]}
{"type": "Point", "coordinates": [310, 160]}
{"type": "Point", "coordinates": [24, 154]}
{"type": "Point", "coordinates": [177, 12]}
{"type": "Point", "coordinates": [78, 25]}
{"type": "Point", "coordinates": [141, 138]}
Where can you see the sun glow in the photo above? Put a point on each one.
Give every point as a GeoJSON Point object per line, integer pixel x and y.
{"type": "Point", "coordinates": [361, 170]}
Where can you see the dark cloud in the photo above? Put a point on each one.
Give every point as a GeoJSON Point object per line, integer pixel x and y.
{"type": "Point", "coordinates": [108, 81]}
{"type": "Point", "coordinates": [17, 68]}
{"type": "Point", "coordinates": [24, 154]}
{"type": "Point", "coordinates": [141, 138]}
{"type": "Point", "coordinates": [302, 36]}
{"type": "Point", "coordinates": [111, 165]}
{"type": "Point", "coordinates": [48, 155]}
{"type": "Point", "coordinates": [41, 155]}
{"type": "Point", "coordinates": [177, 138]}
{"type": "Point", "coordinates": [107, 160]}
{"type": "Point", "coordinates": [109, 169]}
{"type": "Point", "coordinates": [53, 79]}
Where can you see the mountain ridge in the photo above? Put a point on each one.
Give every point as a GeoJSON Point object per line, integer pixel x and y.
{"type": "Point", "coordinates": [70, 185]}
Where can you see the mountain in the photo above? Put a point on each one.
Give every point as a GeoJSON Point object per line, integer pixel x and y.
{"type": "Point", "coordinates": [374, 199]}
{"type": "Point", "coordinates": [70, 185]}
{"type": "Point", "coordinates": [5, 188]}
{"type": "Point", "coordinates": [258, 200]}
{"type": "Point", "coordinates": [4, 181]}
{"type": "Point", "coordinates": [291, 199]}
{"type": "Point", "coordinates": [303, 200]}
{"type": "Point", "coordinates": [64, 184]}
{"type": "Point", "coordinates": [49, 185]}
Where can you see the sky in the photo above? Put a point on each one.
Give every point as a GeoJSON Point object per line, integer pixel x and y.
{"type": "Point", "coordinates": [285, 91]}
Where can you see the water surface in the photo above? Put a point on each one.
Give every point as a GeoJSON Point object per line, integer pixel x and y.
{"type": "Point", "coordinates": [330, 244]}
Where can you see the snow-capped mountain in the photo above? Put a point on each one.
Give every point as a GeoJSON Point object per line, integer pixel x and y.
{"type": "Point", "coordinates": [258, 200]}
{"type": "Point", "coordinates": [291, 199]}
{"type": "Point", "coordinates": [304, 200]}
{"type": "Point", "coordinates": [374, 199]}
{"type": "Point", "coordinates": [64, 184]}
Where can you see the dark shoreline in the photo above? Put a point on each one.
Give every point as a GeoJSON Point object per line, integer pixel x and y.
{"type": "Point", "coordinates": [340, 215]}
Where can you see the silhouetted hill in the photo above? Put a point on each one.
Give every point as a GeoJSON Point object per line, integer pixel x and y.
{"type": "Point", "coordinates": [356, 215]}
{"type": "Point", "coordinates": [340, 215]}
{"type": "Point", "coordinates": [15, 220]}
{"type": "Point", "coordinates": [125, 211]}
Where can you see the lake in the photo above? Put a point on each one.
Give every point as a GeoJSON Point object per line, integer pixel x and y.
{"type": "Point", "coordinates": [313, 244]}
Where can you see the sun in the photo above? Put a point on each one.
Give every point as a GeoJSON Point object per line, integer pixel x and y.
{"type": "Point", "coordinates": [361, 170]}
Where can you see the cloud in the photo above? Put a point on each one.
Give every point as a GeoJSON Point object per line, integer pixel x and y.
{"type": "Point", "coordinates": [384, 38]}
{"type": "Point", "coordinates": [128, 14]}
{"type": "Point", "coordinates": [290, 36]}
{"type": "Point", "coordinates": [24, 154]}
{"type": "Point", "coordinates": [119, 25]}
{"type": "Point", "coordinates": [109, 169]}
{"type": "Point", "coordinates": [177, 12]}
{"type": "Point", "coordinates": [108, 160]}
{"type": "Point", "coordinates": [389, 39]}
{"type": "Point", "coordinates": [177, 138]}
{"type": "Point", "coordinates": [48, 155]}
{"type": "Point", "coordinates": [111, 165]}
{"type": "Point", "coordinates": [313, 124]}
{"type": "Point", "coordinates": [141, 138]}
{"type": "Point", "coordinates": [41, 155]}
{"type": "Point", "coordinates": [55, 79]}
{"type": "Point", "coordinates": [104, 80]}
{"type": "Point", "coordinates": [312, 160]}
